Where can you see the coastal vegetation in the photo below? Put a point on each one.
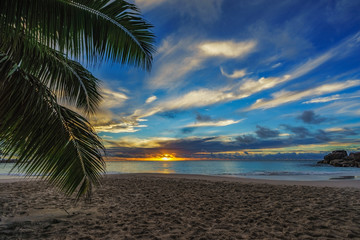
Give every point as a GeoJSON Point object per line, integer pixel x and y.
{"type": "Point", "coordinates": [41, 45]}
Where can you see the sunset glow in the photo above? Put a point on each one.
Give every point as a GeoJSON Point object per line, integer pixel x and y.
{"type": "Point", "coordinates": [227, 86]}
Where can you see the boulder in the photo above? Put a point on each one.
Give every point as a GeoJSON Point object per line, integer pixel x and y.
{"type": "Point", "coordinates": [340, 158]}
{"type": "Point", "coordinates": [355, 156]}
{"type": "Point", "coordinates": [338, 154]}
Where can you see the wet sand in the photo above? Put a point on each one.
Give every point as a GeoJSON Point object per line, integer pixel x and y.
{"type": "Point", "coordinates": [156, 206]}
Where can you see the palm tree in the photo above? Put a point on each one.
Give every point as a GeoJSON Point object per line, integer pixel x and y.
{"type": "Point", "coordinates": [41, 42]}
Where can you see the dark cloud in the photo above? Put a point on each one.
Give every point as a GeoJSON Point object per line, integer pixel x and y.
{"type": "Point", "coordinates": [212, 147]}
{"type": "Point", "coordinates": [300, 132]}
{"type": "Point", "coordinates": [263, 132]}
{"type": "Point", "coordinates": [206, 148]}
{"type": "Point", "coordinates": [322, 135]}
{"type": "Point", "coordinates": [347, 132]}
{"type": "Point", "coordinates": [311, 118]}
{"type": "Point", "coordinates": [246, 139]}
{"type": "Point", "coordinates": [202, 118]}
{"type": "Point", "coordinates": [187, 130]}
{"type": "Point", "coordinates": [169, 114]}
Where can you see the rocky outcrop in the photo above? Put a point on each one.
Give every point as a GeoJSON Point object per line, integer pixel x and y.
{"type": "Point", "coordinates": [340, 158]}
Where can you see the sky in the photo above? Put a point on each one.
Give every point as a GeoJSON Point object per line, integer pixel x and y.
{"type": "Point", "coordinates": [250, 79]}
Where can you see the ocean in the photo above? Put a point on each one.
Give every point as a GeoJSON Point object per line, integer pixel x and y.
{"type": "Point", "coordinates": [303, 170]}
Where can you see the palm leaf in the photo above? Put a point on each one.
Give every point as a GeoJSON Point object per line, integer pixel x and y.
{"type": "Point", "coordinates": [38, 41]}
{"type": "Point", "coordinates": [48, 139]}
{"type": "Point", "coordinates": [71, 81]}
{"type": "Point", "coordinates": [91, 30]}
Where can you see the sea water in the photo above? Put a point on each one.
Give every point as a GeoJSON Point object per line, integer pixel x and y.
{"type": "Point", "coordinates": [262, 169]}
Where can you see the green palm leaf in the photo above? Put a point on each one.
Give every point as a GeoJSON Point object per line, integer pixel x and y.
{"type": "Point", "coordinates": [48, 139]}
{"type": "Point", "coordinates": [71, 81]}
{"type": "Point", "coordinates": [91, 30]}
{"type": "Point", "coordinates": [39, 40]}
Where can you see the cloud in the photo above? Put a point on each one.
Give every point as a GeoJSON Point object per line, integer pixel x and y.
{"type": "Point", "coordinates": [263, 132]}
{"type": "Point", "coordinates": [334, 98]}
{"type": "Point", "coordinates": [276, 65]}
{"type": "Point", "coordinates": [119, 126]}
{"type": "Point", "coordinates": [312, 64]}
{"type": "Point", "coordinates": [198, 98]}
{"type": "Point", "coordinates": [187, 130]}
{"type": "Point", "coordinates": [342, 130]}
{"type": "Point", "coordinates": [205, 11]}
{"type": "Point", "coordinates": [235, 74]}
{"type": "Point", "coordinates": [203, 118]}
{"type": "Point", "coordinates": [112, 99]}
{"type": "Point", "coordinates": [151, 99]}
{"type": "Point", "coordinates": [214, 123]}
{"type": "Point", "coordinates": [342, 108]}
{"type": "Point", "coordinates": [107, 121]}
{"type": "Point", "coordinates": [246, 139]}
{"type": "Point", "coordinates": [169, 114]}
{"type": "Point", "coordinates": [206, 147]}
{"type": "Point", "coordinates": [174, 61]}
{"type": "Point", "coordinates": [328, 135]}
{"type": "Point", "coordinates": [178, 58]}
{"type": "Point", "coordinates": [300, 132]}
{"type": "Point", "coordinates": [201, 97]}
{"type": "Point", "coordinates": [324, 99]}
{"type": "Point", "coordinates": [207, 121]}
{"type": "Point", "coordinates": [311, 118]}
{"type": "Point", "coordinates": [283, 97]}
{"type": "Point", "coordinates": [322, 135]}
{"type": "Point", "coordinates": [228, 49]}
{"type": "Point", "coordinates": [205, 97]}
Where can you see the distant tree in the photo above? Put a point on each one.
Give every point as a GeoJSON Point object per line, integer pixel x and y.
{"type": "Point", "coordinates": [40, 44]}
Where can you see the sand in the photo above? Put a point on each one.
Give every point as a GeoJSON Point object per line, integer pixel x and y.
{"type": "Point", "coordinates": [155, 206]}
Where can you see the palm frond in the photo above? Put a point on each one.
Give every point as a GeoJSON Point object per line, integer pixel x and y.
{"type": "Point", "coordinates": [48, 139]}
{"type": "Point", "coordinates": [91, 30]}
{"type": "Point", "coordinates": [71, 81]}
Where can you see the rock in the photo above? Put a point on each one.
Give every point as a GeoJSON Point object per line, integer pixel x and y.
{"type": "Point", "coordinates": [338, 154]}
{"type": "Point", "coordinates": [355, 156]}
{"type": "Point", "coordinates": [340, 158]}
{"type": "Point", "coordinates": [337, 162]}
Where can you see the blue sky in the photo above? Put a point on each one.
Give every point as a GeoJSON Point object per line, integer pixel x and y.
{"type": "Point", "coordinates": [238, 79]}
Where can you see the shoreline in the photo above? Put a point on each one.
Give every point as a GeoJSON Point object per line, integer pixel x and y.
{"type": "Point", "coordinates": [338, 183]}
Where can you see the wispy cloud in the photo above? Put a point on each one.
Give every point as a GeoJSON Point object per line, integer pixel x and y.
{"type": "Point", "coordinates": [119, 126]}
{"type": "Point", "coordinates": [334, 98]}
{"type": "Point", "coordinates": [112, 99]}
{"type": "Point", "coordinates": [284, 97]}
{"type": "Point", "coordinates": [150, 99]}
{"type": "Point", "coordinates": [324, 99]}
{"type": "Point", "coordinates": [343, 108]}
{"type": "Point", "coordinates": [205, 97]}
{"type": "Point", "coordinates": [228, 49]}
{"type": "Point", "coordinates": [236, 73]}
{"type": "Point", "coordinates": [276, 65]}
{"type": "Point", "coordinates": [214, 123]}
{"type": "Point", "coordinates": [177, 59]}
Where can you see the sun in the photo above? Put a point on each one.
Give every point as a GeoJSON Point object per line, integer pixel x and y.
{"type": "Point", "coordinates": [166, 157]}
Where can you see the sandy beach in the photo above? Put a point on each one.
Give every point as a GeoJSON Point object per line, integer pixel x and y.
{"type": "Point", "coordinates": [155, 206]}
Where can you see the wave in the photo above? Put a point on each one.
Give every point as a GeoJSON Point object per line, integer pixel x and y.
{"type": "Point", "coordinates": [286, 173]}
